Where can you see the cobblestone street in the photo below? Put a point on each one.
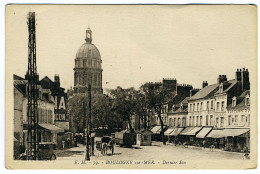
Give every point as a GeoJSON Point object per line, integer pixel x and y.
{"type": "Point", "coordinates": [157, 151]}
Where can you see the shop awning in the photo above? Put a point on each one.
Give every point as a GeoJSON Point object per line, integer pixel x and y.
{"type": "Point", "coordinates": [176, 131]}
{"type": "Point", "coordinates": [194, 131]}
{"type": "Point", "coordinates": [216, 133]}
{"type": "Point", "coordinates": [157, 129]}
{"type": "Point", "coordinates": [221, 133]}
{"type": "Point", "coordinates": [51, 127]}
{"type": "Point", "coordinates": [190, 130]}
{"type": "Point", "coordinates": [235, 132]}
{"type": "Point", "coordinates": [170, 130]}
{"type": "Point", "coordinates": [203, 132]}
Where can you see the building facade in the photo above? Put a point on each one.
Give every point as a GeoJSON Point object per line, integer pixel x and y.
{"type": "Point", "coordinates": [47, 129]}
{"type": "Point", "coordinates": [60, 99]}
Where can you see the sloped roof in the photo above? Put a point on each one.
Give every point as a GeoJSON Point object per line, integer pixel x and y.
{"type": "Point", "coordinates": [205, 92]}
{"type": "Point", "coordinates": [233, 83]}
{"type": "Point", "coordinates": [16, 77]}
{"type": "Point", "coordinates": [240, 102]}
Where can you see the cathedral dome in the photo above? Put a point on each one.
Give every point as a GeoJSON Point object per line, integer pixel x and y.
{"type": "Point", "coordinates": [88, 50]}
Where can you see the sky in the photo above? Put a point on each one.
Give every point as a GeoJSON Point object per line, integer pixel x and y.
{"type": "Point", "coordinates": [137, 43]}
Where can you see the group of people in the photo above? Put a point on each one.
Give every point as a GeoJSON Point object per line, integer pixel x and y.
{"type": "Point", "coordinates": [65, 143]}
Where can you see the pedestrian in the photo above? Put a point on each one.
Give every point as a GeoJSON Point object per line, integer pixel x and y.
{"type": "Point", "coordinates": [204, 143]}
{"type": "Point", "coordinates": [63, 144]}
{"type": "Point", "coordinates": [68, 142]}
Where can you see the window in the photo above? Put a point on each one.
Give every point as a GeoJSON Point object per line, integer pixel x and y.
{"type": "Point", "coordinates": [197, 121]}
{"type": "Point", "coordinates": [221, 88]}
{"type": "Point", "coordinates": [179, 122]}
{"type": "Point", "coordinates": [193, 106]}
{"type": "Point", "coordinates": [229, 120]}
{"type": "Point", "coordinates": [247, 101]}
{"type": "Point", "coordinates": [174, 122]}
{"type": "Point", "coordinates": [222, 122]}
{"type": "Point", "coordinates": [84, 63]}
{"type": "Point", "coordinates": [217, 106]}
{"type": "Point", "coordinates": [183, 121]}
{"type": "Point", "coordinates": [190, 122]}
{"type": "Point", "coordinates": [89, 62]}
{"type": "Point", "coordinates": [212, 104]}
{"type": "Point", "coordinates": [234, 101]}
{"type": "Point", "coordinates": [170, 122]}
{"type": "Point", "coordinates": [242, 118]}
{"type": "Point", "coordinates": [222, 106]}
{"type": "Point", "coordinates": [236, 118]}
{"type": "Point", "coordinates": [207, 104]}
{"type": "Point", "coordinates": [200, 120]}
{"type": "Point", "coordinates": [190, 107]}
{"type": "Point", "coordinates": [207, 120]}
{"type": "Point", "coordinates": [193, 121]}
{"type": "Point", "coordinates": [211, 120]}
{"type": "Point", "coordinates": [217, 122]}
{"type": "Point", "coordinates": [198, 106]}
{"type": "Point", "coordinates": [201, 106]}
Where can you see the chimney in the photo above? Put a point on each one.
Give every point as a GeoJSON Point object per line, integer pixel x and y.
{"type": "Point", "coordinates": [221, 78]}
{"type": "Point", "coordinates": [245, 79]}
{"type": "Point", "coordinates": [238, 75]}
{"type": "Point", "coordinates": [57, 79]}
{"type": "Point", "coordinates": [204, 84]}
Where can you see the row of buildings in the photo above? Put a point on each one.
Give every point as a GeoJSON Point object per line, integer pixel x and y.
{"type": "Point", "coordinates": [53, 119]}
{"type": "Point", "coordinates": [218, 113]}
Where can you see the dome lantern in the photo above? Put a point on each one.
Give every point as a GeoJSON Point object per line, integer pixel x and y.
{"type": "Point", "coordinates": [88, 35]}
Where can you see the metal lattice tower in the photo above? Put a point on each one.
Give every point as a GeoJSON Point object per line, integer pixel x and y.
{"type": "Point", "coordinates": [32, 91]}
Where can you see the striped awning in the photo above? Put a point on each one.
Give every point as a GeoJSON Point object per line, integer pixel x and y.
{"type": "Point", "coordinates": [176, 132]}
{"type": "Point", "coordinates": [169, 131]}
{"type": "Point", "coordinates": [203, 132]}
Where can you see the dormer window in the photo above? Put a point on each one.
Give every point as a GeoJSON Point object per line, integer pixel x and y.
{"type": "Point", "coordinates": [234, 101]}
{"type": "Point", "coordinates": [221, 88]}
{"type": "Point", "coordinates": [247, 100]}
{"type": "Point", "coordinates": [173, 108]}
{"type": "Point", "coordinates": [181, 107]}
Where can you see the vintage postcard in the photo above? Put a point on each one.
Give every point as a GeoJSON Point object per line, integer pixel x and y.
{"type": "Point", "coordinates": [131, 86]}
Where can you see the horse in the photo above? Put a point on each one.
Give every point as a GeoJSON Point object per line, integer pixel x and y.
{"type": "Point", "coordinates": [104, 148]}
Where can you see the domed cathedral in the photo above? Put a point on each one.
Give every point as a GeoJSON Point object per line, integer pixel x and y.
{"type": "Point", "coordinates": [88, 67]}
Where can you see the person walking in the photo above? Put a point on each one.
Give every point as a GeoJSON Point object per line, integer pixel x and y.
{"type": "Point", "coordinates": [204, 143]}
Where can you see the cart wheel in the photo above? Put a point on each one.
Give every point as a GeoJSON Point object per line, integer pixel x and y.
{"type": "Point", "coordinates": [53, 157]}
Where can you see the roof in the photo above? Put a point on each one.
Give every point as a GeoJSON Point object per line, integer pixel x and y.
{"type": "Point", "coordinates": [240, 101]}
{"type": "Point", "coordinates": [233, 83]}
{"type": "Point", "coordinates": [88, 50]}
{"type": "Point", "coordinates": [245, 93]}
{"type": "Point", "coordinates": [205, 92]}
{"type": "Point", "coordinates": [16, 77]}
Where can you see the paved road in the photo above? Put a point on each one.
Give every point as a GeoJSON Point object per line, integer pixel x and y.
{"type": "Point", "coordinates": [157, 151]}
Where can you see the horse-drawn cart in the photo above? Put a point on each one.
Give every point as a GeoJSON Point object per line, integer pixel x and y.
{"type": "Point", "coordinates": [105, 143]}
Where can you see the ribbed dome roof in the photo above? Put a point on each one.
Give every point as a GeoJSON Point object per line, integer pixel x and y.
{"type": "Point", "coordinates": [88, 50]}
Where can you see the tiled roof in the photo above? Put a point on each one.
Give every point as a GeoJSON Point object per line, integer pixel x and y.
{"type": "Point", "coordinates": [205, 92]}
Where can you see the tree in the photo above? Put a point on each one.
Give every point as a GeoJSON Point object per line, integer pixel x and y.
{"type": "Point", "coordinates": [124, 103]}
{"type": "Point", "coordinates": [156, 96]}
{"type": "Point", "coordinates": [75, 107]}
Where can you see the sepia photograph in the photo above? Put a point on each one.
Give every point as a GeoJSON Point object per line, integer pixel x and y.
{"type": "Point", "coordinates": [131, 86]}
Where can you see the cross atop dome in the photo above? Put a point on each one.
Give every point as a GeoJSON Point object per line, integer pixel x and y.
{"type": "Point", "coordinates": [88, 35]}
